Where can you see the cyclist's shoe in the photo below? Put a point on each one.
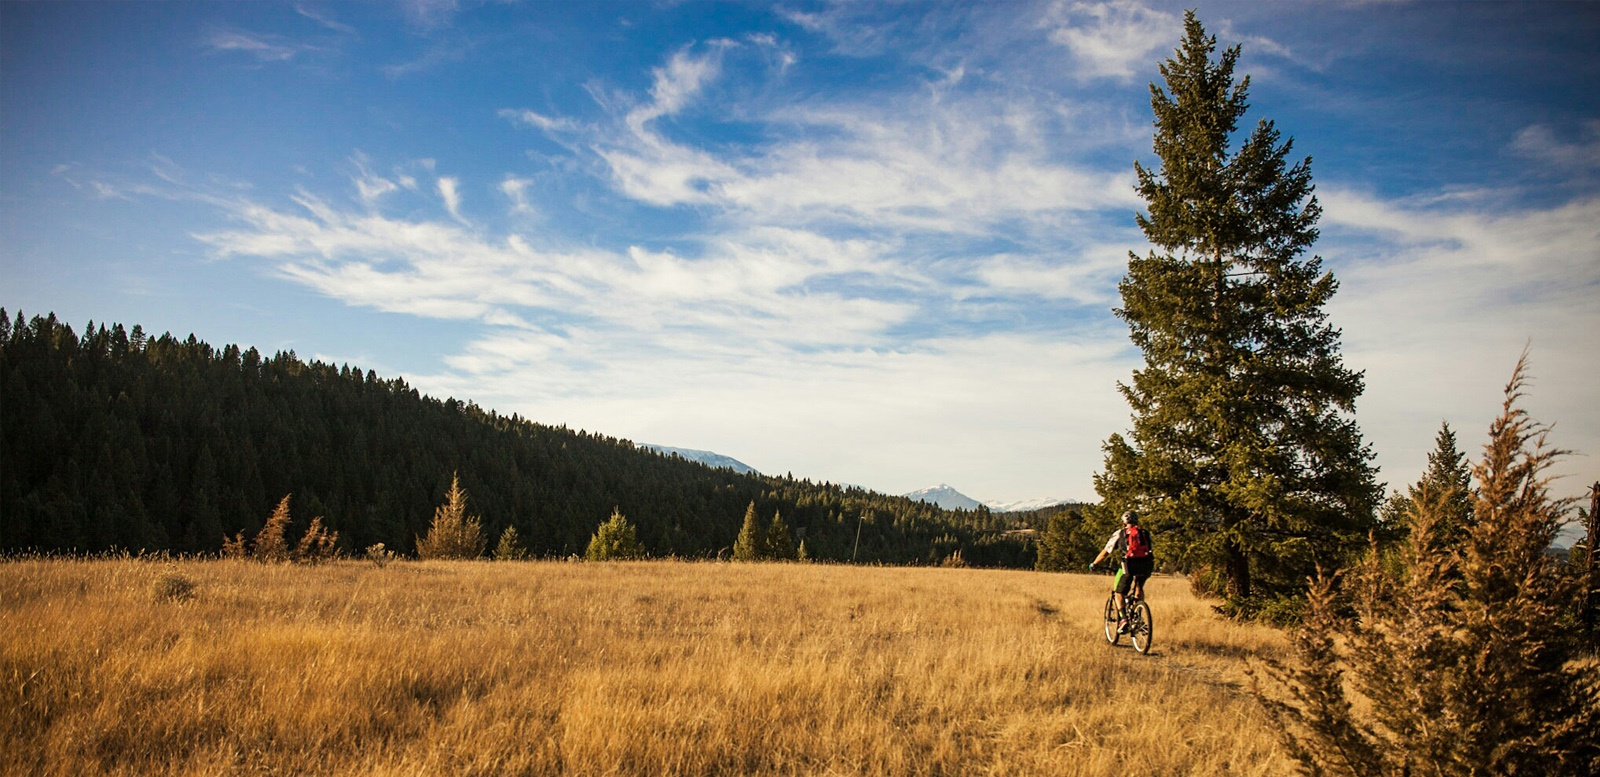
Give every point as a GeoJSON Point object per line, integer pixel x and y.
{"type": "Point", "coordinates": [1122, 627]}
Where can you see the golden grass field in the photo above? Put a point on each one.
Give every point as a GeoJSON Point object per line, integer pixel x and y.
{"type": "Point", "coordinates": [643, 668]}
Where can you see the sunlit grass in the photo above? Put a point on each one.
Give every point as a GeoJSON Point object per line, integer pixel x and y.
{"type": "Point", "coordinates": [628, 668]}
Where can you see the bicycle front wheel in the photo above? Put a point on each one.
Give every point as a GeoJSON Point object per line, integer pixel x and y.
{"type": "Point", "coordinates": [1141, 627]}
{"type": "Point", "coordinates": [1112, 635]}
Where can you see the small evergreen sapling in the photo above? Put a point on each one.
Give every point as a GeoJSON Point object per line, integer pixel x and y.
{"type": "Point", "coordinates": [780, 546]}
{"type": "Point", "coordinates": [270, 543]}
{"type": "Point", "coordinates": [510, 547]}
{"type": "Point", "coordinates": [317, 545]}
{"type": "Point", "coordinates": [1447, 472]}
{"type": "Point", "coordinates": [453, 534]}
{"type": "Point", "coordinates": [615, 540]}
{"type": "Point", "coordinates": [235, 547]}
{"type": "Point", "coordinates": [750, 544]}
{"type": "Point", "coordinates": [379, 555]}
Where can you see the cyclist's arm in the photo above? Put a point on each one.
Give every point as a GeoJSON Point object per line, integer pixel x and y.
{"type": "Point", "coordinates": [1110, 548]}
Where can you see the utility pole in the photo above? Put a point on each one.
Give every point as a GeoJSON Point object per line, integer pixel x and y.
{"type": "Point", "coordinates": [862, 516]}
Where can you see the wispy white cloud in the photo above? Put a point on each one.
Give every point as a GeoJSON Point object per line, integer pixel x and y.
{"type": "Point", "coordinates": [782, 55]}
{"type": "Point", "coordinates": [536, 120]}
{"type": "Point", "coordinates": [846, 26]}
{"type": "Point", "coordinates": [323, 18]}
{"type": "Point", "coordinates": [830, 264]}
{"type": "Point", "coordinates": [945, 161]}
{"type": "Point", "coordinates": [1112, 40]}
{"type": "Point", "coordinates": [1437, 301]}
{"type": "Point", "coordinates": [949, 165]}
{"type": "Point", "coordinates": [439, 51]}
{"type": "Point", "coordinates": [675, 84]}
{"type": "Point", "coordinates": [372, 188]}
{"type": "Point", "coordinates": [449, 191]}
{"type": "Point", "coordinates": [1577, 155]}
{"type": "Point", "coordinates": [759, 285]}
{"type": "Point", "coordinates": [516, 190]}
{"type": "Point", "coordinates": [645, 164]}
{"type": "Point", "coordinates": [264, 48]}
{"type": "Point", "coordinates": [830, 275]}
{"type": "Point", "coordinates": [1086, 278]}
{"type": "Point", "coordinates": [1228, 34]}
{"type": "Point", "coordinates": [428, 15]}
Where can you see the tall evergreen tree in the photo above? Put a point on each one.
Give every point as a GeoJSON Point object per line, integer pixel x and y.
{"type": "Point", "coordinates": [1244, 451]}
{"type": "Point", "coordinates": [1064, 543]}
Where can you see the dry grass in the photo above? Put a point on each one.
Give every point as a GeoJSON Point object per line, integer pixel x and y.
{"type": "Point", "coordinates": [629, 668]}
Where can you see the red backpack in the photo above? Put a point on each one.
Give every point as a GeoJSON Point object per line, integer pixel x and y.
{"type": "Point", "coordinates": [1138, 542]}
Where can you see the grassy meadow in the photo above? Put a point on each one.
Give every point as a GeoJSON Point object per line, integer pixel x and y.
{"type": "Point", "coordinates": [646, 668]}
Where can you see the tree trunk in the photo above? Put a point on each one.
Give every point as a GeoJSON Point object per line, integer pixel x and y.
{"type": "Point", "coordinates": [1591, 599]}
{"type": "Point", "coordinates": [1238, 568]}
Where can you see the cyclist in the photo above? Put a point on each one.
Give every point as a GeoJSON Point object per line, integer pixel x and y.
{"type": "Point", "coordinates": [1132, 543]}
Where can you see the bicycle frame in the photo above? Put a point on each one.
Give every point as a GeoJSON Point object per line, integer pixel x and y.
{"type": "Point", "coordinates": [1132, 618]}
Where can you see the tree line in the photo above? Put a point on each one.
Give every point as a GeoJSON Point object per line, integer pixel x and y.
{"type": "Point", "coordinates": [114, 439]}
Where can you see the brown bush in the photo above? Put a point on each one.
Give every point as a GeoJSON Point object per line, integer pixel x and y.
{"type": "Point", "coordinates": [1465, 660]}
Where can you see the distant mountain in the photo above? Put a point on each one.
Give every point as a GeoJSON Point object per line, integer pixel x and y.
{"type": "Point", "coordinates": [946, 497]}
{"type": "Point", "coordinates": [1572, 534]}
{"type": "Point", "coordinates": [1027, 505]}
{"type": "Point", "coordinates": [950, 499]}
{"type": "Point", "coordinates": [714, 460]}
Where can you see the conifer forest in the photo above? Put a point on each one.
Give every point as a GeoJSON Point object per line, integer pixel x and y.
{"type": "Point", "coordinates": [116, 440]}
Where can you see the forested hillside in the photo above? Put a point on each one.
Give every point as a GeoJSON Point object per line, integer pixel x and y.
{"type": "Point", "coordinates": [113, 439]}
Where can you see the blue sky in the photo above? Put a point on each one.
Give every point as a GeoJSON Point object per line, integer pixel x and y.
{"type": "Point", "coordinates": [872, 243]}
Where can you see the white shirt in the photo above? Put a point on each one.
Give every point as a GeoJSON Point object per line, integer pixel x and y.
{"type": "Point", "coordinates": [1111, 544]}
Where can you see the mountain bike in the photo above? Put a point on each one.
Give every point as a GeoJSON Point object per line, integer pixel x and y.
{"type": "Point", "coordinates": [1135, 617]}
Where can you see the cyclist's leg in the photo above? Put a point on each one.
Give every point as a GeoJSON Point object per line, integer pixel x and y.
{"type": "Point", "coordinates": [1141, 574]}
{"type": "Point", "coordinates": [1122, 582]}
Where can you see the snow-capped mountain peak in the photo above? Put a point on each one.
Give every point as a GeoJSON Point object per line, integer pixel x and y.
{"type": "Point", "coordinates": [946, 497]}
{"type": "Point", "coordinates": [708, 458]}
{"type": "Point", "coordinates": [1026, 505]}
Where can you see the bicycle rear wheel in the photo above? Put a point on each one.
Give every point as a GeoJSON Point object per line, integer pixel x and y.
{"type": "Point", "coordinates": [1140, 626]}
{"type": "Point", "coordinates": [1112, 635]}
